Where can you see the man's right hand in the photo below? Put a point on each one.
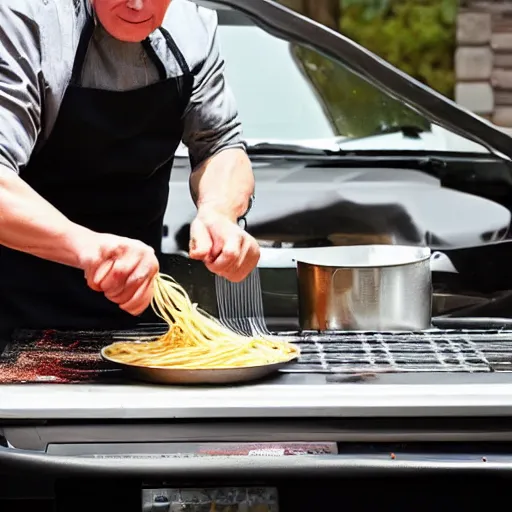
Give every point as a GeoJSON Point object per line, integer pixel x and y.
{"type": "Point", "coordinates": [122, 268]}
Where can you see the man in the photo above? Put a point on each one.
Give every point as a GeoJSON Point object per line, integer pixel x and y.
{"type": "Point", "coordinates": [95, 96]}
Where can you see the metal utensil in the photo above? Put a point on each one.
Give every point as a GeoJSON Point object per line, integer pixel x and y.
{"type": "Point", "coordinates": [367, 287]}
{"type": "Point", "coordinates": [162, 375]}
{"type": "Point", "coordinates": [240, 305]}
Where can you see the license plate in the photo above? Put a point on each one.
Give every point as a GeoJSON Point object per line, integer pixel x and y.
{"type": "Point", "coordinates": [223, 499]}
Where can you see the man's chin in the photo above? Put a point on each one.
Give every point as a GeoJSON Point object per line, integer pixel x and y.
{"type": "Point", "coordinates": [130, 34]}
{"type": "Point", "coordinates": [131, 39]}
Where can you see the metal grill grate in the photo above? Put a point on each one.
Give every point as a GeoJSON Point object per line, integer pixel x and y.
{"type": "Point", "coordinates": [430, 351]}
{"type": "Point", "coordinates": [73, 357]}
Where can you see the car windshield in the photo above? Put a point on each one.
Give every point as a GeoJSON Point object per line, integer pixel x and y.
{"type": "Point", "coordinates": [288, 93]}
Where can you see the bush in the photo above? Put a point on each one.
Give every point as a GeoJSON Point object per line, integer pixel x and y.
{"type": "Point", "coordinates": [416, 36]}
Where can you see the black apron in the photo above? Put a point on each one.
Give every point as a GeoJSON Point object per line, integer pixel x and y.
{"type": "Point", "coordinates": [106, 166]}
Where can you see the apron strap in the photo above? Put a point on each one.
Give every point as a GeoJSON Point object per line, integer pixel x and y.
{"type": "Point", "coordinates": [171, 44]}
{"type": "Point", "coordinates": [81, 51]}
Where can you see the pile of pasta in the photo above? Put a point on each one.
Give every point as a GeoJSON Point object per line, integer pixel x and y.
{"type": "Point", "coordinates": [195, 339]}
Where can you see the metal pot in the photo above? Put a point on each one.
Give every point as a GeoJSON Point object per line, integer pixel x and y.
{"type": "Point", "coordinates": [365, 287]}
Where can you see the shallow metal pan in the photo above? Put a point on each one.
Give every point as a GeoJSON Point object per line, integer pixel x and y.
{"type": "Point", "coordinates": [161, 375]}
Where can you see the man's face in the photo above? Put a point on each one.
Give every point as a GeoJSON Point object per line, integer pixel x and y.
{"type": "Point", "coordinates": [130, 20]}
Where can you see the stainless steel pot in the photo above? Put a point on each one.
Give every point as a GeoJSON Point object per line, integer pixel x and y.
{"type": "Point", "coordinates": [365, 287]}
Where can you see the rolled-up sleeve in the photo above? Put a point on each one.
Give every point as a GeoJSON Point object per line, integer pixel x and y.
{"type": "Point", "coordinates": [20, 87]}
{"type": "Point", "coordinates": [211, 122]}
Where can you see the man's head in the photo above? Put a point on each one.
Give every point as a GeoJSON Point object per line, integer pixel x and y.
{"type": "Point", "coordinates": [130, 20]}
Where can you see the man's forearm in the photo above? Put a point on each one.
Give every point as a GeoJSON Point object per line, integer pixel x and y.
{"type": "Point", "coordinates": [31, 224]}
{"type": "Point", "coordinates": [224, 183]}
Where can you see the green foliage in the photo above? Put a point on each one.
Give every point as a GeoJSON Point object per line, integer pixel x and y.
{"type": "Point", "coordinates": [416, 36]}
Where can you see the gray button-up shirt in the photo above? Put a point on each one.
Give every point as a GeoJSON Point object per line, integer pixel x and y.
{"type": "Point", "coordinates": [38, 42]}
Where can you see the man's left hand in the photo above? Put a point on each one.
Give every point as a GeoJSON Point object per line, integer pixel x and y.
{"type": "Point", "coordinates": [224, 247]}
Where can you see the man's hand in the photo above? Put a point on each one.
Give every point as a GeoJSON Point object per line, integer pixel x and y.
{"type": "Point", "coordinates": [225, 248]}
{"type": "Point", "coordinates": [121, 268]}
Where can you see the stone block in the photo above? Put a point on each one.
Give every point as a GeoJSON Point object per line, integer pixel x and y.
{"type": "Point", "coordinates": [497, 8]}
{"type": "Point", "coordinates": [474, 28]}
{"type": "Point", "coordinates": [501, 41]}
{"type": "Point", "coordinates": [473, 63]}
{"type": "Point", "coordinates": [478, 97]}
{"type": "Point", "coordinates": [502, 24]}
{"type": "Point", "coordinates": [502, 98]}
{"type": "Point", "coordinates": [503, 116]}
{"type": "Point", "coordinates": [502, 60]}
{"type": "Point", "coordinates": [501, 78]}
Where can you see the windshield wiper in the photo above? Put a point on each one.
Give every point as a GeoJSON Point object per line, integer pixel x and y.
{"type": "Point", "coordinates": [280, 148]}
{"type": "Point", "coordinates": [333, 148]}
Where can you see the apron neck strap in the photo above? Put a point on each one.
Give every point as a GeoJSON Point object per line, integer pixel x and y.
{"type": "Point", "coordinates": [83, 46]}
{"type": "Point", "coordinates": [171, 44]}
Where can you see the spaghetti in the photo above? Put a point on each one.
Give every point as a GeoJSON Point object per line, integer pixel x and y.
{"type": "Point", "coordinates": [195, 339]}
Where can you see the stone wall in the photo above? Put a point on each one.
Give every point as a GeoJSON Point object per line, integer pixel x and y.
{"type": "Point", "coordinates": [483, 59]}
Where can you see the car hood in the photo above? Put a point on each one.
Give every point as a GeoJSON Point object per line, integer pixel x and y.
{"type": "Point", "coordinates": [440, 110]}
{"type": "Point", "coordinates": [297, 198]}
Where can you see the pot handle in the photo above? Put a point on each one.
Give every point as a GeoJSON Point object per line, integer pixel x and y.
{"type": "Point", "coordinates": [440, 262]}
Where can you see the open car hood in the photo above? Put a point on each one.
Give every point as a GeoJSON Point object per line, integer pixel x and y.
{"type": "Point", "coordinates": [285, 23]}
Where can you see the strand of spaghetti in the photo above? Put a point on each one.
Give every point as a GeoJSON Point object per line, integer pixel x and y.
{"type": "Point", "coordinates": [208, 323]}
{"type": "Point", "coordinates": [176, 355]}
{"type": "Point", "coordinates": [167, 360]}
